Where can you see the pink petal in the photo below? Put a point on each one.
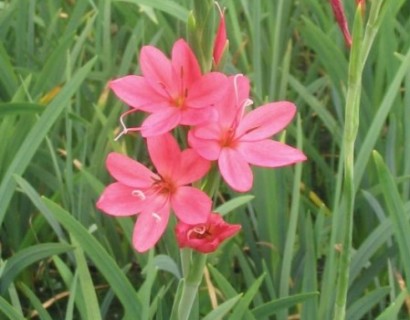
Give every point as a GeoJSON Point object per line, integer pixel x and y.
{"type": "Point", "coordinates": [222, 229]}
{"type": "Point", "coordinates": [128, 171]}
{"type": "Point", "coordinates": [208, 149]}
{"type": "Point", "coordinates": [269, 153]}
{"type": "Point", "coordinates": [192, 167]}
{"type": "Point", "coordinates": [191, 205]}
{"type": "Point", "coordinates": [231, 106]}
{"type": "Point", "coordinates": [207, 90]}
{"type": "Point", "coordinates": [228, 231]}
{"type": "Point", "coordinates": [120, 200]}
{"type": "Point", "coordinates": [265, 121]}
{"type": "Point", "coordinates": [135, 92]}
{"type": "Point", "coordinates": [149, 228]}
{"type": "Point", "coordinates": [195, 117]}
{"type": "Point", "coordinates": [235, 170]}
{"type": "Point", "coordinates": [157, 68]}
{"type": "Point", "coordinates": [185, 65]}
{"type": "Point", "coordinates": [210, 131]}
{"type": "Point", "coordinates": [160, 122]}
{"type": "Point", "coordinates": [164, 153]}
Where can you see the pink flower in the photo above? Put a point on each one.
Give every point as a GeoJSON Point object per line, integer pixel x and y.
{"type": "Point", "coordinates": [138, 190]}
{"type": "Point", "coordinates": [239, 139]}
{"type": "Point", "coordinates": [205, 237]}
{"type": "Point", "coordinates": [339, 14]}
{"type": "Point", "coordinates": [221, 40]}
{"type": "Point", "coordinates": [173, 91]}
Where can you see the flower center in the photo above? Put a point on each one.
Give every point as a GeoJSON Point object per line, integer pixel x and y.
{"type": "Point", "coordinates": [164, 186]}
{"type": "Point", "coordinates": [199, 232]}
{"type": "Point", "coordinates": [179, 101]}
{"type": "Point", "coordinates": [228, 138]}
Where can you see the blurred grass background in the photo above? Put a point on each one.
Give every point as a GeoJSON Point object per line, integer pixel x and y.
{"type": "Point", "coordinates": [62, 259]}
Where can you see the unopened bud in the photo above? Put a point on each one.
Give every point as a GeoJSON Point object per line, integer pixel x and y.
{"type": "Point", "coordinates": [339, 14]}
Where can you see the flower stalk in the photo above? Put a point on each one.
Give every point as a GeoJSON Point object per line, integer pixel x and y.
{"type": "Point", "coordinates": [191, 284]}
{"type": "Point", "coordinates": [361, 45]}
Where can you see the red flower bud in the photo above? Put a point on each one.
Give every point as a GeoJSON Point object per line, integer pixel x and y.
{"type": "Point", "coordinates": [339, 14]}
{"type": "Point", "coordinates": [220, 39]}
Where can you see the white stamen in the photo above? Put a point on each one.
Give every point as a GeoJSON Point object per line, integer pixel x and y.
{"type": "Point", "coordinates": [198, 230]}
{"type": "Point", "coordinates": [124, 127]}
{"type": "Point", "coordinates": [125, 130]}
{"type": "Point", "coordinates": [247, 103]}
{"type": "Point", "coordinates": [156, 216]}
{"type": "Point", "coordinates": [139, 194]}
{"type": "Point", "coordinates": [242, 104]}
{"type": "Point", "coordinates": [221, 12]}
{"type": "Point", "coordinates": [235, 85]}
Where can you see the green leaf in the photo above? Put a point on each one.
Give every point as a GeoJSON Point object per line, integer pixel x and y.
{"type": "Point", "coordinates": [397, 213]}
{"type": "Point", "coordinates": [272, 307]}
{"type": "Point", "coordinates": [8, 78]}
{"type": "Point", "coordinates": [327, 51]}
{"type": "Point", "coordinates": [96, 252]}
{"type": "Point", "coordinates": [222, 309]}
{"type": "Point", "coordinates": [243, 304]}
{"type": "Point", "coordinates": [167, 6]}
{"type": "Point", "coordinates": [234, 203]}
{"type": "Point", "coordinates": [373, 131]}
{"type": "Point", "coordinates": [362, 306]}
{"type": "Point", "coordinates": [318, 107]}
{"type": "Point", "coordinates": [25, 257]}
{"type": "Point", "coordinates": [392, 311]}
{"type": "Point", "coordinates": [91, 308]}
{"type": "Point", "coordinates": [102, 260]}
{"type": "Point", "coordinates": [9, 311]}
{"type": "Point", "coordinates": [36, 135]}
{"type": "Point", "coordinates": [144, 292]}
{"type": "Point", "coordinates": [221, 283]}
{"type": "Point", "coordinates": [166, 263]}
{"type": "Point", "coordinates": [35, 301]}
{"type": "Point", "coordinates": [14, 108]}
{"type": "Point", "coordinates": [73, 296]}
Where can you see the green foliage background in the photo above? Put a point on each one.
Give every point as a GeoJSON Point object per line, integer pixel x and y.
{"type": "Point", "coordinates": [62, 259]}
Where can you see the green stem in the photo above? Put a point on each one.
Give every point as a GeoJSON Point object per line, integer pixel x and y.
{"type": "Point", "coordinates": [200, 32]}
{"type": "Point", "coordinates": [191, 284]}
{"type": "Point", "coordinates": [348, 194]}
{"type": "Point", "coordinates": [360, 50]}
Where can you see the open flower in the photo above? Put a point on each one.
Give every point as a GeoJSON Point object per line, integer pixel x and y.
{"type": "Point", "coordinates": [173, 91]}
{"type": "Point", "coordinates": [138, 190]}
{"type": "Point", "coordinates": [205, 237]}
{"type": "Point", "coordinates": [239, 139]}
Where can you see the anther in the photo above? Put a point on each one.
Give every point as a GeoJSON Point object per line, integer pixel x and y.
{"type": "Point", "coordinates": [156, 216]}
{"type": "Point", "coordinates": [138, 194]}
{"type": "Point", "coordinates": [196, 231]}
{"type": "Point", "coordinates": [200, 230]}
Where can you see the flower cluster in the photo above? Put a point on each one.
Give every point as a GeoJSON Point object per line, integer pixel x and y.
{"type": "Point", "coordinates": [220, 127]}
